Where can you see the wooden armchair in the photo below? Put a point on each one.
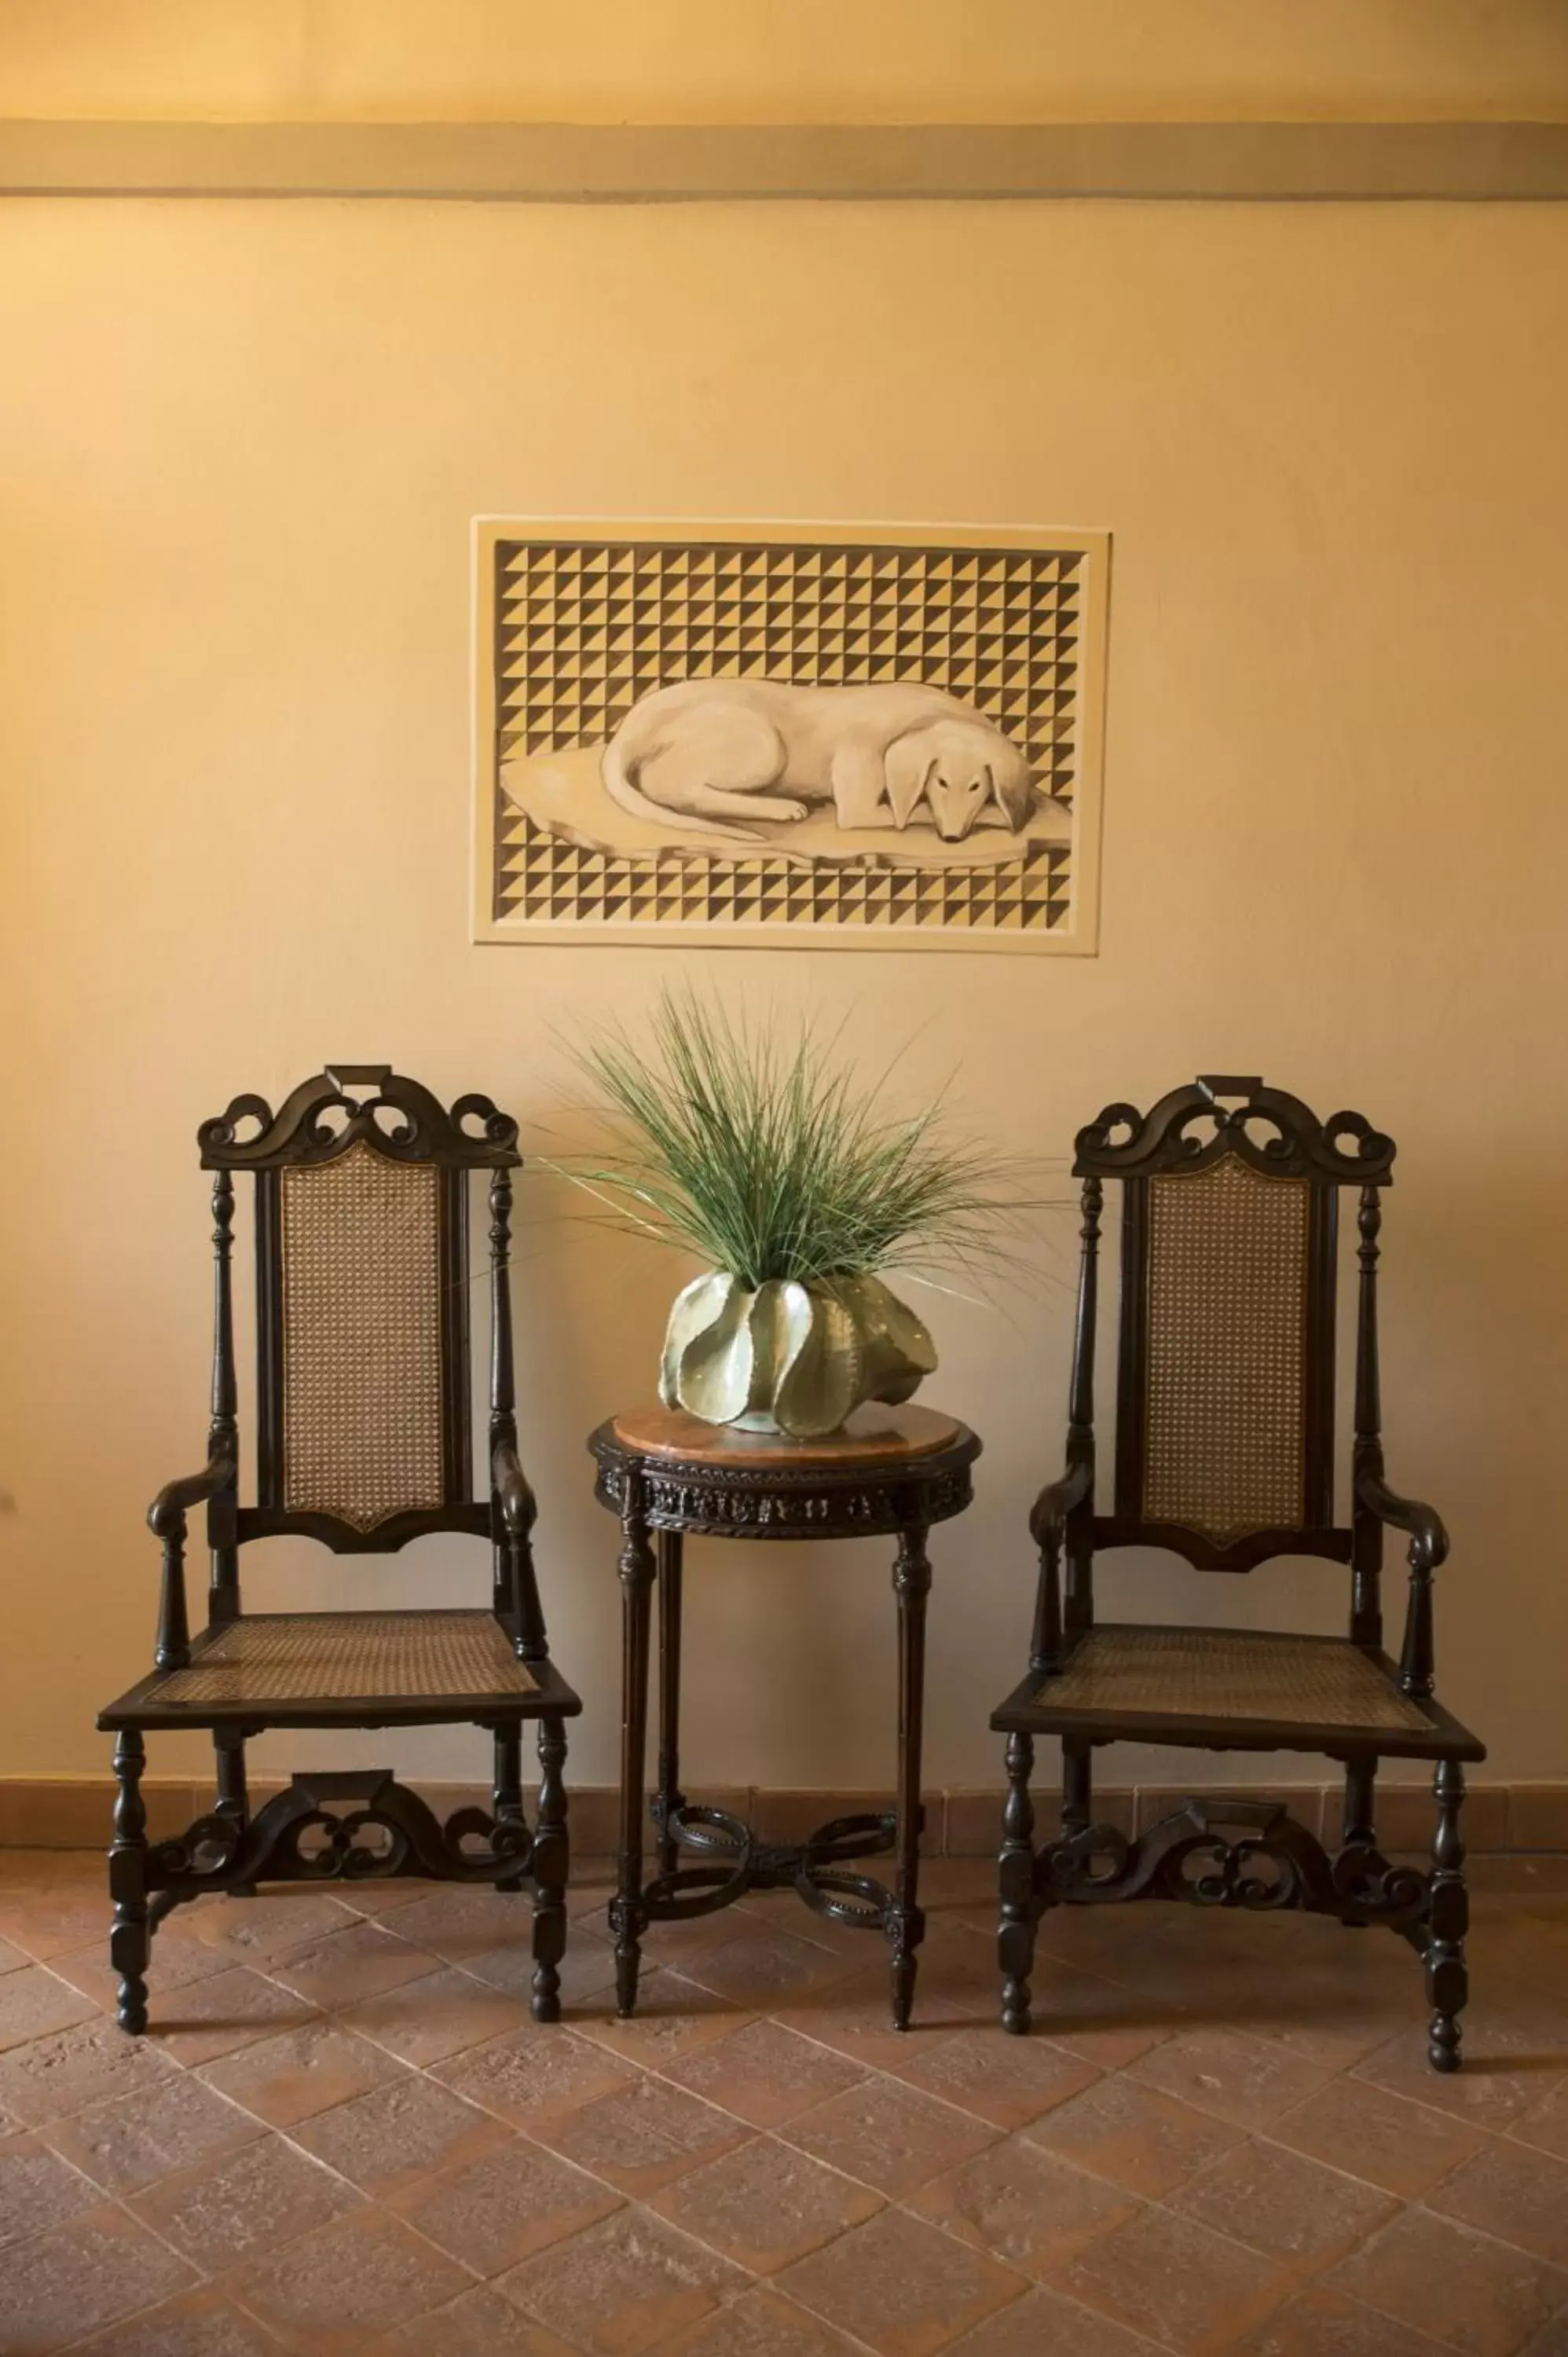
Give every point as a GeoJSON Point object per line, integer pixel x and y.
{"type": "Point", "coordinates": [363, 1441]}
{"type": "Point", "coordinates": [1225, 1454]}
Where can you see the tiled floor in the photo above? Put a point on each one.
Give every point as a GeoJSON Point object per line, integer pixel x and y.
{"type": "Point", "coordinates": [344, 2135]}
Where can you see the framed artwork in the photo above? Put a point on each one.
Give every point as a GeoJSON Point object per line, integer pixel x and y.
{"type": "Point", "coordinates": [788, 735]}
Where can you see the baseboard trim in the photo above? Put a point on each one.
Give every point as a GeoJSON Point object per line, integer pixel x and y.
{"type": "Point", "coordinates": [73, 1811]}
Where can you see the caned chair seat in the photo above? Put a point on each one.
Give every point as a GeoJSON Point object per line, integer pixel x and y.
{"type": "Point", "coordinates": [297, 1664]}
{"type": "Point", "coordinates": [1307, 1694]}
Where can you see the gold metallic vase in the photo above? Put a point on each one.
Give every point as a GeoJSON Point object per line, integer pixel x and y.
{"type": "Point", "coordinates": [793, 1358]}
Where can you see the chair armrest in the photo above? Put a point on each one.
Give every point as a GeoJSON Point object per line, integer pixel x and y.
{"type": "Point", "coordinates": [1049, 1515]}
{"type": "Point", "coordinates": [1428, 1537]}
{"type": "Point", "coordinates": [518, 1504]}
{"type": "Point", "coordinates": [166, 1519]}
{"type": "Point", "coordinates": [1047, 1527]}
{"type": "Point", "coordinates": [1428, 1548]}
{"type": "Point", "coordinates": [166, 1515]}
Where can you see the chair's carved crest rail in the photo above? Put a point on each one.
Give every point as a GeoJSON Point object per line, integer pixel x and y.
{"type": "Point", "coordinates": [352, 1104]}
{"type": "Point", "coordinates": [1218, 1115]}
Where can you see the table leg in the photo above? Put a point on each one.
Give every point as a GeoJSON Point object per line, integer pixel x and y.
{"type": "Point", "coordinates": [668, 1796]}
{"type": "Point", "coordinates": [627, 1913]}
{"type": "Point", "coordinates": [906, 1922]}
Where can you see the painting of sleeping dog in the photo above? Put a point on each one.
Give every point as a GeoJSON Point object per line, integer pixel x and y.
{"type": "Point", "coordinates": [723, 754]}
{"type": "Point", "coordinates": [834, 736]}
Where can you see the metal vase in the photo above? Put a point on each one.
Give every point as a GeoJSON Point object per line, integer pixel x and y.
{"type": "Point", "coordinates": [792, 1358]}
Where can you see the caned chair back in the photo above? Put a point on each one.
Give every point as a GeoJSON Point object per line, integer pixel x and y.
{"type": "Point", "coordinates": [363, 1372]}
{"type": "Point", "coordinates": [364, 1356]}
{"type": "Point", "coordinates": [1225, 1392]}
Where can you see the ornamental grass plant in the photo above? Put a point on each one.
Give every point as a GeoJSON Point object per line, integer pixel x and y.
{"type": "Point", "coordinates": [765, 1154]}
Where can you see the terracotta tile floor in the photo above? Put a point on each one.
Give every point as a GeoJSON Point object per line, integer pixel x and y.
{"type": "Point", "coordinates": [344, 2137]}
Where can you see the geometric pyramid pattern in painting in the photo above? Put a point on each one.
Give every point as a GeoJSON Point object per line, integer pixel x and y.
{"type": "Point", "coordinates": [544, 878]}
{"type": "Point", "coordinates": [585, 628]}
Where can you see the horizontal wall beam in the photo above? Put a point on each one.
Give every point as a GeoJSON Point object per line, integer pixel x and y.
{"type": "Point", "coordinates": [674, 163]}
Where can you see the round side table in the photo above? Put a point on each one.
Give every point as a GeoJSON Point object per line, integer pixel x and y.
{"type": "Point", "coordinates": [890, 1471]}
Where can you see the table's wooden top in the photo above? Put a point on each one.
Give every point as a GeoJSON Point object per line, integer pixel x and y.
{"type": "Point", "coordinates": [880, 1439]}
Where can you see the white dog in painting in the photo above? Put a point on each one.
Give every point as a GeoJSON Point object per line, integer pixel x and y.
{"type": "Point", "coordinates": [710, 751]}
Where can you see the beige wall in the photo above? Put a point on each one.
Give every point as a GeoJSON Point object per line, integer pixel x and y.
{"type": "Point", "coordinates": [240, 445]}
{"type": "Point", "coordinates": [810, 61]}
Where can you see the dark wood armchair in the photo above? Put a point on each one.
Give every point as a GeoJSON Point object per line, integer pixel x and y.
{"type": "Point", "coordinates": [363, 1441]}
{"type": "Point", "coordinates": [1225, 1454]}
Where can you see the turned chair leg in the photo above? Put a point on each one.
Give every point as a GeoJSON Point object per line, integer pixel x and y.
{"type": "Point", "coordinates": [1077, 1787]}
{"type": "Point", "coordinates": [1360, 1785]}
{"type": "Point", "coordinates": [1358, 1829]}
{"type": "Point", "coordinates": [1015, 1932]}
{"type": "Point", "coordinates": [506, 1801]}
{"type": "Point", "coordinates": [1448, 1981]}
{"type": "Point", "coordinates": [551, 1864]}
{"type": "Point", "coordinates": [233, 1800]}
{"type": "Point", "coordinates": [130, 1940]}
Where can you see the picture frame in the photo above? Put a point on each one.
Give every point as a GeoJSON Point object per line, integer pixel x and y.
{"type": "Point", "coordinates": [788, 735]}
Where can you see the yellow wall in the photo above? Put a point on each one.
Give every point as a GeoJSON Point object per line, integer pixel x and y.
{"type": "Point", "coordinates": [241, 445]}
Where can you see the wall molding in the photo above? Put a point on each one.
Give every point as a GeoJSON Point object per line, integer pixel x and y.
{"type": "Point", "coordinates": [73, 1811]}
{"type": "Point", "coordinates": [695, 163]}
